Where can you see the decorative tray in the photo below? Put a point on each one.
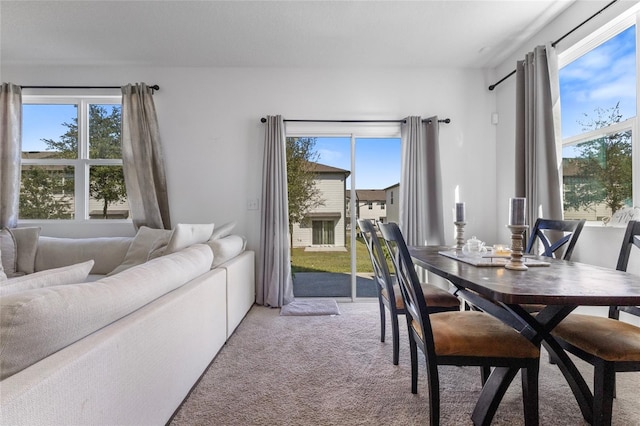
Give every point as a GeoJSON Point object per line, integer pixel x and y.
{"type": "Point", "coordinates": [491, 259]}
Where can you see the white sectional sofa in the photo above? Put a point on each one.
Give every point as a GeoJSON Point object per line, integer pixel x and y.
{"type": "Point", "coordinates": [133, 343]}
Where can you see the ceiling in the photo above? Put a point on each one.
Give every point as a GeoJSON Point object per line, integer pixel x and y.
{"type": "Point", "coordinates": [269, 33]}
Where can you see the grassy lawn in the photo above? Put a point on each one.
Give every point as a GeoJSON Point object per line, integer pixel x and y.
{"type": "Point", "coordinates": [330, 261]}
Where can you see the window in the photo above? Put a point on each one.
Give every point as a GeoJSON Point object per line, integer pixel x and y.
{"type": "Point", "coordinates": [598, 94]}
{"type": "Point", "coordinates": [72, 159]}
{"type": "Point", "coordinates": [323, 232]}
{"type": "Point", "coordinates": [382, 204]}
{"type": "Point", "coordinates": [391, 197]}
{"type": "Point", "coordinates": [370, 205]}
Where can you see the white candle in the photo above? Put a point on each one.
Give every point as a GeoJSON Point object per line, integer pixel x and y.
{"type": "Point", "coordinates": [517, 207]}
{"type": "Point", "coordinates": [459, 212]}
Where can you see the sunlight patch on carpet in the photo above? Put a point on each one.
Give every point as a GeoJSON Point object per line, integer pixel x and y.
{"type": "Point", "coordinates": [311, 307]}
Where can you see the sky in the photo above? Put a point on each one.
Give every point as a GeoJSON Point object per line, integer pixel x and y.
{"type": "Point", "coordinates": [601, 78]}
{"type": "Point", "coordinates": [44, 121]}
{"type": "Point", "coordinates": [377, 159]}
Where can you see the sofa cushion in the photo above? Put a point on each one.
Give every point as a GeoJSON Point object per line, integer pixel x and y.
{"type": "Point", "coordinates": [37, 323]}
{"type": "Point", "coordinates": [226, 248]}
{"type": "Point", "coordinates": [108, 252]}
{"type": "Point", "coordinates": [187, 234]}
{"type": "Point", "coordinates": [146, 240]}
{"type": "Point", "coordinates": [8, 252]}
{"type": "Point", "coordinates": [26, 246]}
{"type": "Point", "coordinates": [66, 275]}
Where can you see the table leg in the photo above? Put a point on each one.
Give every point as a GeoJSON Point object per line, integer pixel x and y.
{"type": "Point", "coordinates": [539, 332]}
{"type": "Point", "coordinates": [491, 395]}
{"type": "Point", "coordinates": [576, 382]}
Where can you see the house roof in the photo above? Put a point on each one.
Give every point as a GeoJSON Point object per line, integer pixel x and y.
{"type": "Point", "coordinates": [370, 195]}
{"type": "Point", "coordinates": [392, 186]}
{"type": "Point", "coordinates": [323, 168]}
{"type": "Point", "coordinates": [38, 155]}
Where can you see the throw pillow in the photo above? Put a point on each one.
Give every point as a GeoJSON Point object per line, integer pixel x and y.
{"type": "Point", "coordinates": [185, 235]}
{"type": "Point", "coordinates": [160, 246]}
{"type": "Point", "coordinates": [8, 252]}
{"type": "Point", "coordinates": [226, 248]}
{"type": "Point", "coordinates": [66, 275]}
{"type": "Point", "coordinates": [223, 231]}
{"type": "Point", "coordinates": [141, 246]}
{"type": "Point", "coordinates": [26, 246]}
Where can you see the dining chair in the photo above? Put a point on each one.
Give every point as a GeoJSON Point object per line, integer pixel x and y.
{"type": "Point", "coordinates": [610, 345]}
{"type": "Point", "coordinates": [389, 295]}
{"type": "Point", "coordinates": [460, 338]}
{"type": "Point", "coordinates": [554, 235]}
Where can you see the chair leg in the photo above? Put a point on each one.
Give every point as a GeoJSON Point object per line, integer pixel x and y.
{"type": "Point", "coordinates": [395, 334]}
{"type": "Point", "coordinates": [603, 389]}
{"type": "Point", "coordinates": [434, 393]}
{"type": "Point", "coordinates": [413, 350]}
{"type": "Point", "coordinates": [530, 393]}
{"type": "Point", "coordinates": [485, 372]}
{"type": "Point", "coordinates": [383, 320]}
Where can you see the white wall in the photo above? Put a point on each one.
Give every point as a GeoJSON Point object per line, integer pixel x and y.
{"type": "Point", "coordinates": [212, 135]}
{"type": "Point", "coordinates": [593, 239]}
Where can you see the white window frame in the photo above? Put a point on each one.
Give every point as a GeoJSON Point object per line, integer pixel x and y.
{"type": "Point", "coordinates": [81, 164]}
{"type": "Point", "coordinates": [603, 34]}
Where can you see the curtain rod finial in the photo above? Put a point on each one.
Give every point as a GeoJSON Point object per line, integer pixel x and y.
{"type": "Point", "coordinates": [263, 120]}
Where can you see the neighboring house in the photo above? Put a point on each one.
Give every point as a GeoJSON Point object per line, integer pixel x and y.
{"type": "Point", "coordinates": [392, 194]}
{"type": "Point", "coordinates": [371, 204]}
{"type": "Point", "coordinates": [325, 226]}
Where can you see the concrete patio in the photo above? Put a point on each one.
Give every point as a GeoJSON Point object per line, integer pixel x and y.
{"type": "Point", "coordinates": [328, 284]}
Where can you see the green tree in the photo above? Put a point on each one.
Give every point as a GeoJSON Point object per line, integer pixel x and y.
{"type": "Point", "coordinates": [42, 194]}
{"type": "Point", "coordinates": [106, 183]}
{"type": "Point", "coordinates": [302, 191]}
{"type": "Point", "coordinates": [603, 164]}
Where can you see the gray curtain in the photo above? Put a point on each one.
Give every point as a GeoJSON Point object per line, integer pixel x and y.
{"type": "Point", "coordinates": [537, 127]}
{"type": "Point", "coordinates": [10, 153]}
{"type": "Point", "coordinates": [142, 158]}
{"type": "Point", "coordinates": [274, 284]}
{"type": "Point", "coordinates": [421, 217]}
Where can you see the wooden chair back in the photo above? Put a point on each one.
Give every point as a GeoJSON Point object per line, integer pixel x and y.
{"type": "Point", "coordinates": [631, 239]}
{"type": "Point", "coordinates": [555, 234]}
{"type": "Point", "coordinates": [415, 304]}
{"type": "Point", "coordinates": [381, 272]}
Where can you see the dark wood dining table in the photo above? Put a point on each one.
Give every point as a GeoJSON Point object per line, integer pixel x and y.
{"type": "Point", "coordinates": [561, 286]}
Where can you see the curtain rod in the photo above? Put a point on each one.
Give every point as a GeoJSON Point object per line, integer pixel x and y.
{"type": "Point", "coordinates": [493, 86]}
{"type": "Point", "coordinates": [154, 87]}
{"type": "Point", "coordinates": [426, 120]}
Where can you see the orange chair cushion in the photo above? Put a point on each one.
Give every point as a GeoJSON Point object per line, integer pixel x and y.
{"type": "Point", "coordinates": [474, 333]}
{"type": "Point", "coordinates": [606, 338]}
{"type": "Point", "coordinates": [434, 296]}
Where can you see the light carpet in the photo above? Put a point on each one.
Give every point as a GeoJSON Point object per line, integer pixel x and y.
{"type": "Point", "coordinates": [309, 307]}
{"type": "Point", "coordinates": [333, 370]}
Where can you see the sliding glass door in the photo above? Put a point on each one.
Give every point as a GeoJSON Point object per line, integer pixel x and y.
{"type": "Point", "coordinates": [333, 180]}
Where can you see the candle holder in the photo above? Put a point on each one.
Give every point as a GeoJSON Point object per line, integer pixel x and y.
{"type": "Point", "coordinates": [517, 248]}
{"type": "Point", "coordinates": [459, 236]}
